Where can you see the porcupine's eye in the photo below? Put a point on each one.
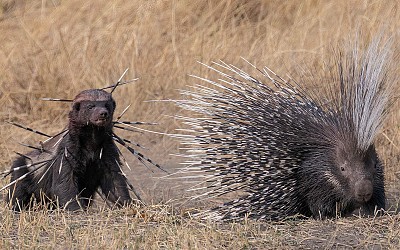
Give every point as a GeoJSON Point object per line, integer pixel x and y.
{"type": "Point", "coordinates": [343, 167]}
{"type": "Point", "coordinates": [371, 158]}
{"type": "Point", "coordinates": [376, 164]}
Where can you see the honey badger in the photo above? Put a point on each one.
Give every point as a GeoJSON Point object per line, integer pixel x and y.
{"type": "Point", "coordinates": [69, 168]}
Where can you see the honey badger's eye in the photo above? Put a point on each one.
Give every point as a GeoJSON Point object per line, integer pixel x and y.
{"type": "Point", "coordinates": [110, 106]}
{"type": "Point", "coordinates": [90, 106]}
{"type": "Point", "coordinates": [77, 106]}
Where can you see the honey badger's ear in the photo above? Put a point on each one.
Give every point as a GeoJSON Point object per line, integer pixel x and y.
{"type": "Point", "coordinates": [76, 106]}
{"type": "Point", "coordinates": [114, 105]}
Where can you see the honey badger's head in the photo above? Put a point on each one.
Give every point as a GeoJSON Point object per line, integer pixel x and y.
{"type": "Point", "coordinates": [93, 107]}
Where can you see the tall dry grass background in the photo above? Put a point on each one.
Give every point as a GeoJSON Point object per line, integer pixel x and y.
{"type": "Point", "coordinates": [55, 48]}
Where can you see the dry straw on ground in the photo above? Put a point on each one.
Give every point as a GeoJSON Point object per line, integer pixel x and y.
{"type": "Point", "coordinates": [54, 48]}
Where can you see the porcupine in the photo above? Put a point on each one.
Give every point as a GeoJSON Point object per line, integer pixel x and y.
{"type": "Point", "coordinates": [290, 151]}
{"type": "Point", "coordinates": [70, 167]}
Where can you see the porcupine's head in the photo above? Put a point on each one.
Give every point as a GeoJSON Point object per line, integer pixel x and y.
{"type": "Point", "coordinates": [337, 180]}
{"type": "Point", "coordinates": [359, 170]}
{"type": "Point", "coordinates": [93, 107]}
{"type": "Point", "coordinates": [344, 172]}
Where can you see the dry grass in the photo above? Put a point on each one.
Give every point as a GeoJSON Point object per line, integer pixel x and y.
{"type": "Point", "coordinates": [158, 227]}
{"type": "Point", "coordinates": [54, 48]}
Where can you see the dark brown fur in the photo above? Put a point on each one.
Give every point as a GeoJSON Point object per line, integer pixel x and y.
{"type": "Point", "coordinates": [79, 160]}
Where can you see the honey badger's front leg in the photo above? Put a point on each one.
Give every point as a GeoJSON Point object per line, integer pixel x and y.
{"type": "Point", "coordinates": [113, 183]}
{"type": "Point", "coordinates": [75, 186]}
{"type": "Point", "coordinates": [66, 189]}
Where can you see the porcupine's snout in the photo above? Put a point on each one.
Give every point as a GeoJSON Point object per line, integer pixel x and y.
{"type": "Point", "coordinates": [363, 190]}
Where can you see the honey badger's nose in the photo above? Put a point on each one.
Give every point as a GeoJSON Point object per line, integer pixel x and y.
{"type": "Point", "coordinates": [103, 114]}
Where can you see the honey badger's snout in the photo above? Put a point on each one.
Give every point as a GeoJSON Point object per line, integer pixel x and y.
{"type": "Point", "coordinates": [101, 116]}
{"type": "Point", "coordinates": [103, 113]}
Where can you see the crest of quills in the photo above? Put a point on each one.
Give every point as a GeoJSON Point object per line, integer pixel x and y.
{"type": "Point", "coordinates": [290, 151]}
{"type": "Point", "coordinates": [69, 168]}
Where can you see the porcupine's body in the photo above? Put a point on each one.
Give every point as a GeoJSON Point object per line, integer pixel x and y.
{"type": "Point", "coordinates": [70, 167]}
{"type": "Point", "coordinates": [289, 150]}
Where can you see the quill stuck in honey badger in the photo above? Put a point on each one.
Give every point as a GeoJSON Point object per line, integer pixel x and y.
{"type": "Point", "coordinates": [69, 168]}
